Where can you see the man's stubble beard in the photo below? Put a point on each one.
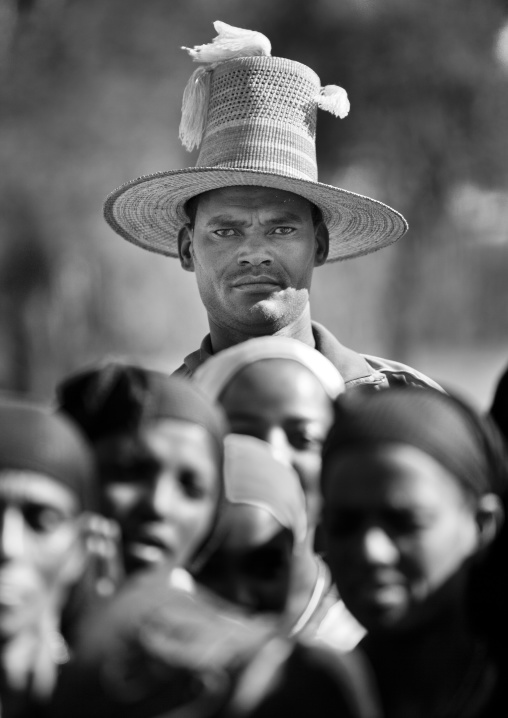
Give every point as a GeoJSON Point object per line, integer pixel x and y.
{"type": "Point", "coordinates": [282, 309]}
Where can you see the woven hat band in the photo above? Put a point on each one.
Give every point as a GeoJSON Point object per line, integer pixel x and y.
{"type": "Point", "coordinates": [262, 116]}
{"type": "Point", "coordinates": [261, 145]}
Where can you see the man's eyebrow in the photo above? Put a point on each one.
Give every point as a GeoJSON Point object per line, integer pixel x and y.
{"type": "Point", "coordinates": [230, 221]}
{"type": "Point", "coordinates": [225, 219]}
{"type": "Point", "coordinates": [286, 217]}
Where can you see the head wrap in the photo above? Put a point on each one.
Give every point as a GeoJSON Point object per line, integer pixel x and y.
{"type": "Point", "coordinates": [215, 374]}
{"type": "Point", "coordinates": [33, 439]}
{"type": "Point", "coordinates": [442, 426]}
{"type": "Point", "coordinates": [119, 398]}
{"type": "Point", "coordinates": [254, 476]}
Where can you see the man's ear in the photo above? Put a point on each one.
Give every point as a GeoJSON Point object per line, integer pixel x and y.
{"type": "Point", "coordinates": [322, 244]}
{"type": "Point", "coordinates": [185, 248]}
{"type": "Point", "coordinates": [489, 519]}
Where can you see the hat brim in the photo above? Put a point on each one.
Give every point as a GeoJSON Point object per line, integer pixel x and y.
{"type": "Point", "coordinates": [149, 211]}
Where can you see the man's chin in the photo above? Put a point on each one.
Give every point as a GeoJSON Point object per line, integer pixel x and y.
{"type": "Point", "coordinates": [268, 310]}
{"type": "Point", "coordinates": [280, 308]}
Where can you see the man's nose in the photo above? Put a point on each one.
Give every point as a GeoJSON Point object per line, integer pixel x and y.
{"type": "Point", "coordinates": [255, 251]}
{"type": "Point", "coordinates": [12, 534]}
{"type": "Point", "coordinates": [378, 548]}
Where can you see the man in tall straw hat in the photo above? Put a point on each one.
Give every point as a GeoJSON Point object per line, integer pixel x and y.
{"type": "Point", "coordinates": [251, 219]}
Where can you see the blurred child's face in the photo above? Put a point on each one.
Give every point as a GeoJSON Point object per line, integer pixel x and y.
{"type": "Point", "coordinates": [399, 528]}
{"type": "Point", "coordinates": [252, 566]}
{"type": "Point", "coordinates": [41, 551]}
{"type": "Point", "coordinates": [162, 487]}
{"type": "Point", "coordinates": [284, 404]}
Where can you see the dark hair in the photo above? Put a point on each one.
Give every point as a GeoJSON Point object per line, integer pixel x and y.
{"type": "Point", "coordinates": [191, 208]}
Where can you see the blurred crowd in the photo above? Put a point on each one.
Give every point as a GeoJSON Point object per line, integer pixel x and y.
{"type": "Point", "coordinates": [254, 541]}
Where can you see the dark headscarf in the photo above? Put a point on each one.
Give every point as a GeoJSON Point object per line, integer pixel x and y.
{"type": "Point", "coordinates": [443, 426]}
{"type": "Point", "coordinates": [118, 398]}
{"type": "Point", "coordinates": [499, 408]}
{"type": "Point", "coordinates": [34, 439]}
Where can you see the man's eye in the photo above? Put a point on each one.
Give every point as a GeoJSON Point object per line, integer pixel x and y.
{"type": "Point", "coordinates": [284, 231]}
{"type": "Point", "coordinates": [230, 232]}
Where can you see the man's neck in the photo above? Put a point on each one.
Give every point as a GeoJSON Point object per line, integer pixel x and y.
{"type": "Point", "coordinates": [223, 337]}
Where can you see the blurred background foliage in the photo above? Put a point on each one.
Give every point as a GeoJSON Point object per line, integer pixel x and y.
{"type": "Point", "coordinates": [90, 96]}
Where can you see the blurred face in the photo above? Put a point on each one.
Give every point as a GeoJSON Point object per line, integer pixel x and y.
{"type": "Point", "coordinates": [253, 563]}
{"type": "Point", "coordinates": [282, 403]}
{"type": "Point", "coordinates": [398, 528]}
{"type": "Point", "coordinates": [162, 488]}
{"type": "Point", "coordinates": [253, 250]}
{"type": "Point", "coordinates": [40, 547]}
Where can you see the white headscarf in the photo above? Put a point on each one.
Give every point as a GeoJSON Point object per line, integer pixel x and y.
{"type": "Point", "coordinates": [216, 373]}
{"type": "Point", "coordinates": [254, 475]}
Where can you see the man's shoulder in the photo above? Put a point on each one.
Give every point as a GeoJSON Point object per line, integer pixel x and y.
{"type": "Point", "coordinates": [355, 368]}
{"type": "Point", "coordinates": [361, 369]}
{"type": "Point", "coordinates": [194, 359]}
{"type": "Point", "coordinates": [183, 371]}
{"type": "Point", "coordinates": [398, 373]}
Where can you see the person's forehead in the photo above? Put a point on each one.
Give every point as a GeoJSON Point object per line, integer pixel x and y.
{"type": "Point", "coordinates": [18, 487]}
{"type": "Point", "coordinates": [249, 198]}
{"type": "Point", "coordinates": [173, 440]}
{"type": "Point", "coordinates": [281, 379]}
{"type": "Point", "coordinates": [399, 475]}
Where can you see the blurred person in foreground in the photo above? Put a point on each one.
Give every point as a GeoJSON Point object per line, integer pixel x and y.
{"type": "Point", "coordinates": [264, 531]}
{"type": "Point", "coordinates": [413, 485]}
{"type": "Point", "coordinates": [154, 649]}
{"type": "Point", "coordinates": [281, 391]}
{"type": "Point", "coordinates": [158, 443]}
{"type": "Point", "coordinates": [499, 409]}
{"type": "Point", "coordinates": [251, 220]}
{"type": "Point", "coordinates": [263, 524]}
{"type": "Point", "coordinates": [47, 488]}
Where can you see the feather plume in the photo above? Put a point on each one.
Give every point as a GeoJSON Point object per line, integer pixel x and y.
{"type": "Point", "coordinates": [334, 99]}
{"type": "Point", "coordinates": [230, 42]}
{"type": "Point", "coordinates": [195, 108]}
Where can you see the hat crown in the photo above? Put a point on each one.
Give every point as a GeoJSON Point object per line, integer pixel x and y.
{"type": "Point", "coordinates": [262, 116]}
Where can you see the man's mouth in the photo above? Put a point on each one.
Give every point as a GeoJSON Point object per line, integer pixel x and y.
{"type": "Point", "coordinates": [256, 283]}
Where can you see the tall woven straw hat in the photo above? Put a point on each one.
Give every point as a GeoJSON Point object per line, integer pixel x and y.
{"type": "Point", "coordinates": [254, 118]}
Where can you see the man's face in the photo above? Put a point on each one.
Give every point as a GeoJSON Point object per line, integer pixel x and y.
{"type": "Point", "coordinates": [398, 531]}
{"type": "Point", "coordinates": [162, 487]}
{"type": "Point", "coordinates": [284, 404]}
{"type": "Point", "coordinates": [252, 565]}
{"type": "Point", "coordinates": [41, 551]}
{"type": "Point", "coordinates": [253, 250]}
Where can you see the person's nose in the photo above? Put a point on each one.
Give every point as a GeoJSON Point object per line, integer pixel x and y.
{"type": "Point", "coordinates": [12, 534]}
{"type": "Point", "coordinates": [278, 440]}
{"type": "Point", "coordinates": [163, 498]}
{"type": "Point", "coordinates": [255, 251]}
{"type": "Point", "coordinates": [377, 547]}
